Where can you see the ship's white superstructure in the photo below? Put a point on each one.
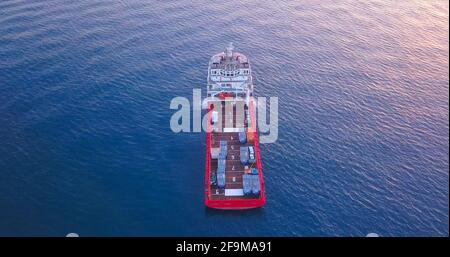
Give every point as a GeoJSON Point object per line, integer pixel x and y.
{"type": "Point", "coordinates": [229, 74]}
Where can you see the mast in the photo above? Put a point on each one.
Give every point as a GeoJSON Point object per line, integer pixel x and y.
{"type": "Point", "coordinates": [229, 50]}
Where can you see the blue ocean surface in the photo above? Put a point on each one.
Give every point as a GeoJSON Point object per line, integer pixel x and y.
{"type": "Point", "coordinates": [85, 138]}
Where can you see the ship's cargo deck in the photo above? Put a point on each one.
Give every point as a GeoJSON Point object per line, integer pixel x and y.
{"type": "Point", "coordinates": [234, 170]}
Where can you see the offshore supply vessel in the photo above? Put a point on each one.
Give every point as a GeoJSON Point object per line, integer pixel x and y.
{"type": "Point", "coordinates": [233, 169]}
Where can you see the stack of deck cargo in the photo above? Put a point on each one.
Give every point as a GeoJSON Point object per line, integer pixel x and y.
{"type": "Point", "coordinates": [221, 173]}
{"type": "Point", "coordinates": [242, 137]}
{"type": "Point", "coordinates": [255, 184]}
{"type": "Point", "coordinates": [247, 184]}
{"type": "Point", "coordinates": [244, 155]}
{"type": "Point", "coordinates": [221, 164]}
{"type": "Point", "coordinates": [221, 180]}
{"type": "Point", "coordinates": [250, 184]}
{"type": "Point", "coordinates": [251, 156]}
{"type": "Point", "coordinates": [223, 149]}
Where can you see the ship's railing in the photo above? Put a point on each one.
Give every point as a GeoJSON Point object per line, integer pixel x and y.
{"type": "Point", "coordinates": [208, 155]}
{"type": "Point", "coordinates": [257, 150]}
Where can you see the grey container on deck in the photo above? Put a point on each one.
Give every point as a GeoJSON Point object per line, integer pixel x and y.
{"type": "Point", "coordinates": [247, 184]}
{"type": "Point", "coordinates": [255, 184]}
{"type": "Point", "coordinates": [244, 155]}
{"type": "Point", "coordinates": [221, 180]}
{"type": "Point", "coordinates": [251, 156]}
{"type": "Point", "coordinates": [221, 164]}
{"type": "Point", "coordinates": [242, 137]}
{"type": "Point", "coordinates": [223, 148]}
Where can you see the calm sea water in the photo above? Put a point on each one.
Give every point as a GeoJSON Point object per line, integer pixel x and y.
{"type": "Point", "coordinates": [85, 143]}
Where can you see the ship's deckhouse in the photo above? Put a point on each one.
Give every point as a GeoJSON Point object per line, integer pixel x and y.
{"type": "Point", "coordinates": [229, 73]}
